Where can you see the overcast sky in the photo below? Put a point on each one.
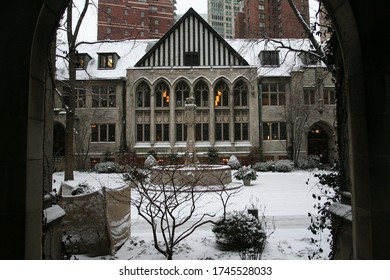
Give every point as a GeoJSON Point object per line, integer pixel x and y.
{"type": "Point", "coordinates": [200, 6]}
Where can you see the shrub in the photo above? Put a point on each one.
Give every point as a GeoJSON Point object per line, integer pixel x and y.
{"type": "Point", "coordinates": [234, 163]}
{"type": "Point", "coordinates": [263, 166]}
{"type": "Point", "coordinates": [107, 167]}
{"type": "Point", "coordinates": [311, 162]}
{"type": "Point", "coordinates": [284, 165]}
{"type": "Point", "coordinates": [245, 172]}
{"type": "Point", "coordinates": [241, 232]}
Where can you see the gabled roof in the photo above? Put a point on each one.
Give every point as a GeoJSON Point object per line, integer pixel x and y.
{"type": "Point", "coordinates": [191, 34]}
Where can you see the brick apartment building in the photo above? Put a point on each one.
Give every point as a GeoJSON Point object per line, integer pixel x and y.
{"type": "Point", "coordinates": [270, 18]}
{"type": "Point", "coordinates": [252, 19]}
{"type": "Point", "coordinates": [134, 19]}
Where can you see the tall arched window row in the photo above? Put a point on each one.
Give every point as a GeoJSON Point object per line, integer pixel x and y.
{"type": "Point", "coordinates": [162, 95]}
{"type": "Point", "coordinates": [240, 94]}
{"type": "Point", "coordinates": [201, 91]}
{"type": "Point", "coordinates": [142, 99]}
{"type": "Point", "coordinates": [143, 95]}
{"type": "Point", "coordinates": [222, 111]}
{"type": "Point", "coordinates": [241, 111]}
{"type": "Point", "coordinates": [221, 93]}
{"type": "Point", "coordinates": [182, 92]}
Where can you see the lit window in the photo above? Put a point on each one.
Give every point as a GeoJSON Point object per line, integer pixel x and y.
{"type": "Point", "coordinates": [108, 60]}
{"type": "Point", "coordinates": [82, 60]}
{"type": "Point", "coordinates": [274, 131]}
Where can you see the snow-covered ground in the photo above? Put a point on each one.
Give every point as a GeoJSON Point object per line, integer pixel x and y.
{"type": "Point", "coordinates": [285, 199]}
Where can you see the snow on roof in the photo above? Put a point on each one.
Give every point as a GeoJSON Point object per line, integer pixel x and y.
{"type": "Point", "coordinates": [131, 51]}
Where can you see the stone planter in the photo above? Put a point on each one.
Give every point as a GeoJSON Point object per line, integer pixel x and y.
{"type": "Point", "coordinates": [247, 182]}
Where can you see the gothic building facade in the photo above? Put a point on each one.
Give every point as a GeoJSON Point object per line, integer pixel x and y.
{"type": "Point", "coordinates": [248, 95]}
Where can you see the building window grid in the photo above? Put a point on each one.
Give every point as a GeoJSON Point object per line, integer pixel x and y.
{"type": "Point", "coordinates": [81, 97]}
{"type": "Point", "coordinates": [309, 96]}
{"type": "Point", "coordinates": [274, 131]}
{"type": "Point", "coordinates": [329, 97]}
{"type": "Point", "coordinates": [273, 94]}
{"type": "Point", "coordinates": [103, 97]}
{"type": "Point", "coordinates": [269, 58]}
{"type": "Point", "coordinates": [102, 133]}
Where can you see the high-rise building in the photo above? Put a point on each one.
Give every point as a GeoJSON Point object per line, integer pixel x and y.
{"type": "Point", "coordinates": [134, 19]}
{"type": "Point", "coordinates": [222, 14]}
{"type": "Point", "coordinates": [257, 18]}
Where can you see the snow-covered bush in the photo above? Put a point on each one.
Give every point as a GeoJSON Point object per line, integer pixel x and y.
{"type": "Point", "coordinates": [234, 163]}
{"type": "Point", "coordinates": [240, 232]}
{"type": "Point", "coordinates": [245, 173]}
{"type": "Point", "coordinates": [107, 167]}
{"type": "Point", "coordinates": [263, 166]}
{"type": "Point", "coordinates": [284, 165]}
{"type": "Point", "coordinates": [150, 161]}
{"type": "Point", "coordinates": [310, 162]}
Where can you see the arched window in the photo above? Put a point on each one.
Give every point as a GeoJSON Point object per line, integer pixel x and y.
{"type": "Point", "coordinates": [201, 91]}
{"type": "Point", "coordinates": [222, 111]}
{"type": "Point", "coordinates": [182, 92]}
{"type": "Point", "coordinates": [221, 94]}
{"type": "Point", "coordinates": [142, 95]}
{"type": "Point", "coordinates": [162, 112]}
{"type": "Point", "coordinates": [240, 94]}
{"type": "Point", "coordinates": [162, 95]}
{"type": "Point", "coordinates": [241, 111]}
{"type": "Point", "coordinates": [142, 99]}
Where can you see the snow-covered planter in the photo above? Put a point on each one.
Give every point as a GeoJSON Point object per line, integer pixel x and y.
{"type": "Point", "coordinates": [246, 173]}
{"type": "Point", "coordinates": [284, 165]}
{"type": "Point", "coordinates": [96, 222]}
{"type": "Point", "coordinates": [240, 232]}
{"type": "Point", "coordinates": [234, 163]}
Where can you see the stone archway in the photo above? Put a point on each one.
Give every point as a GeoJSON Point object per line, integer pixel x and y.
{"type": "Point", "coordinates": [319, 142]}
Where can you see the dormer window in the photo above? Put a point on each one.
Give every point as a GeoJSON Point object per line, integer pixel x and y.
{"type": "Point", "coordinates": [82, 60]}
{"type": "Point", "coordinates": [308, 58]}
{"type": "Point", "coordinates": [108, 60]}
{"type": "Point", "coordinates": [269, 58]}
{"type": "Point", "coordinates": [191, 59]}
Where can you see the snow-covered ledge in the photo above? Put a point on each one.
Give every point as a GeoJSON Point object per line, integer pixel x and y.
{"type": "Point", "coordinates": [341, 210]}
{"type": "Point", "coordinates": [53, 213]}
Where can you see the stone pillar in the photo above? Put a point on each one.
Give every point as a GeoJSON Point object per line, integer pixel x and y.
{"type": "Point", "coordinates": [152, 118]}
{"type": "Point", "coordinates": [231, 117]}
{"type": "Point", "coordinates": [190, 117]}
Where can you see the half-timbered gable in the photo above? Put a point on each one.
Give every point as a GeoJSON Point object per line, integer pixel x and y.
{"type": "Point", "coordinates": [191, 42]}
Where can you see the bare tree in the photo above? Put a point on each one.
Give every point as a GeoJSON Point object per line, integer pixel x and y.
{"type": "Point", "coordinates": [170, 200]}
{"type": "Point", "coordinates": [72, 32]}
